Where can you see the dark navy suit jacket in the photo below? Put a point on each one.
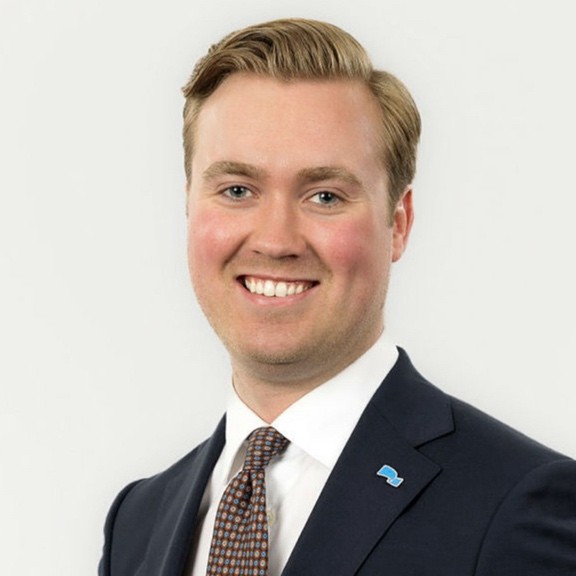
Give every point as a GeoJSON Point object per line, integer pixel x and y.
{"type": "Point", "coordinates": [478, 498]}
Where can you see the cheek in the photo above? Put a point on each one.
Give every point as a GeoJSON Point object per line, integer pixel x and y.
{"type": "Point", "coordinates": [209, 235]}
{"type": "Point", "coordinates": [209, 243]}
{"type": "Point", "coordinates": [359, 248]}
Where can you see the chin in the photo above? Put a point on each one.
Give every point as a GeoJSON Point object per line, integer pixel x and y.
{"type": "Point", "coordinates": [267, 355]}
{"type": "Point", "coordinates": [273, 357]}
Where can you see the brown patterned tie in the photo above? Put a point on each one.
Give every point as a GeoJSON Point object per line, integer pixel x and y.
{"type": "Point", "coordinates": [240, 540]}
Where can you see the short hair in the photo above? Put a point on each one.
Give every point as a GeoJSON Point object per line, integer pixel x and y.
{"type": "Point", "coordinates": [299, 49]}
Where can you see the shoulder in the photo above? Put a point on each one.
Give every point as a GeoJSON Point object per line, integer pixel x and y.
{"type": "Point", "coordinates": [154, 505]}
{"type": "Point", "coordinates": [487, 456]}
{"type": "Point", "coordinates": [488, 436]}
{"type": "Point", "coordinates": [194, 467]}
{"type": "Point", "coordinates": [152, 490]}
{"type": "Point", "coordinates": [519, 495]}
{"type": "Point", "coordinates": [412, 403]}
{"type": "Point", "coordinates": [532, 525]}
{"type": "Point", "coordinates": [533, 530]}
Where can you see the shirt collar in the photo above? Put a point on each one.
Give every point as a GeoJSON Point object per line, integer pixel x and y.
{"type": "Point", "coordinates": [240, 422]}
{"type": "Point", "coordinates": [317, 430]}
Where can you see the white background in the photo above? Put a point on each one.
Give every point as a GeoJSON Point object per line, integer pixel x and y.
{"type": "Point", "coordinates": [108, 371]}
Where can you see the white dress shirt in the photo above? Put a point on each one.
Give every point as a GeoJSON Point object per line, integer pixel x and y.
{"type": "Point", "coordinates": [318, 426]}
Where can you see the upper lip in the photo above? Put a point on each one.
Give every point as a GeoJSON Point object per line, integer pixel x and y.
{"type": "Point", "coordinates": [277, 279]}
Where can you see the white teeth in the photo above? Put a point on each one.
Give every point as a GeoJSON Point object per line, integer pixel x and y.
{"type": "Point", "coordinates": [271, 289]}
{"type": "Point", "coordinates": [281, 290]}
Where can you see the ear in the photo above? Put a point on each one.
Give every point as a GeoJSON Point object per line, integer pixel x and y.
{"type": "Point", "coordinates": [402, 224]}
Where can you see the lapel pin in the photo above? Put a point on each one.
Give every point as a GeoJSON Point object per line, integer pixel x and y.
{"type": "Point", "coordinates": [391, 476]}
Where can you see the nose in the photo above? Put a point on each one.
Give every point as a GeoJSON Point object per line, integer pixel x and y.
{"type": "Point", "coordinates": [277, 230]}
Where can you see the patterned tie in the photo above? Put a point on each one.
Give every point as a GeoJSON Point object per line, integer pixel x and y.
{"type": "Point", "coordinates": [240, 540]}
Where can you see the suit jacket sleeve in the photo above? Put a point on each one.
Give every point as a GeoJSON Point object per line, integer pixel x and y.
{"type": "Point", "coordinates": [533, 531]}
{"type": "Point", "coordinates": [104, 567]}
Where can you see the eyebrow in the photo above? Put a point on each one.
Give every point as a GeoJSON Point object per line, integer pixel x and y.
{"type": "Point", "coordinates": [322, 173]}
{"type": "Point", "coordinates": [228, 168]}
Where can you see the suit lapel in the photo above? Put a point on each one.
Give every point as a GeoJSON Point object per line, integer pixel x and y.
{"type": "Point", "coordinates": [357, 506]}
{"type": "Point", "coordinates": [169, 546]}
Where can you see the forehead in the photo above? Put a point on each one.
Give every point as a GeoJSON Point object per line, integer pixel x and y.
{"type": "Point", "coordinates": [250, 115]}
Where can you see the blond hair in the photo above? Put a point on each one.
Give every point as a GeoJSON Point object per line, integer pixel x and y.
{"type": "Point", "coordinates": [298, 49]}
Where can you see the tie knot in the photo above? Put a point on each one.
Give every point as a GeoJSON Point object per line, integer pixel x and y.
{"type": "Point", "coordinates": [263, 444]}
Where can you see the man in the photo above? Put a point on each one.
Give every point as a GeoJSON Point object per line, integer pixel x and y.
{"type": "Point", "coordinates": [299, 163]}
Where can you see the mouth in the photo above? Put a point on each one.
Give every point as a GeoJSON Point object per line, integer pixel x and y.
{"type": "Point", "coordinates": [275, 288]}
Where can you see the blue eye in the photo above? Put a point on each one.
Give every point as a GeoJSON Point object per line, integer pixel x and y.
{"type": "Point", "coordinates": [237, 192]}
{"type": "Point", "coordinates": [325, 198]}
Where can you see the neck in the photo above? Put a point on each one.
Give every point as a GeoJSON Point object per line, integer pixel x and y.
{"type": "Point", "coordinates": [265, 400]}
{"type": "Point", "coordinates": [270, 390]}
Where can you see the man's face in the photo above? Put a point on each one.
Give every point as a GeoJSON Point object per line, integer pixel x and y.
{"type": "Point", "coordinates": [290, 233]}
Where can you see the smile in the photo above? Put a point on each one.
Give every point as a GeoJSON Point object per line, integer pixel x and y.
{"type": "Point", "coordinates": [275, 289]}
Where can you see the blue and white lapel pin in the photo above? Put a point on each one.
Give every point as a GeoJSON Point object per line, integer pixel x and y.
{"type": "Point", "coordinates": [391, 475]}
